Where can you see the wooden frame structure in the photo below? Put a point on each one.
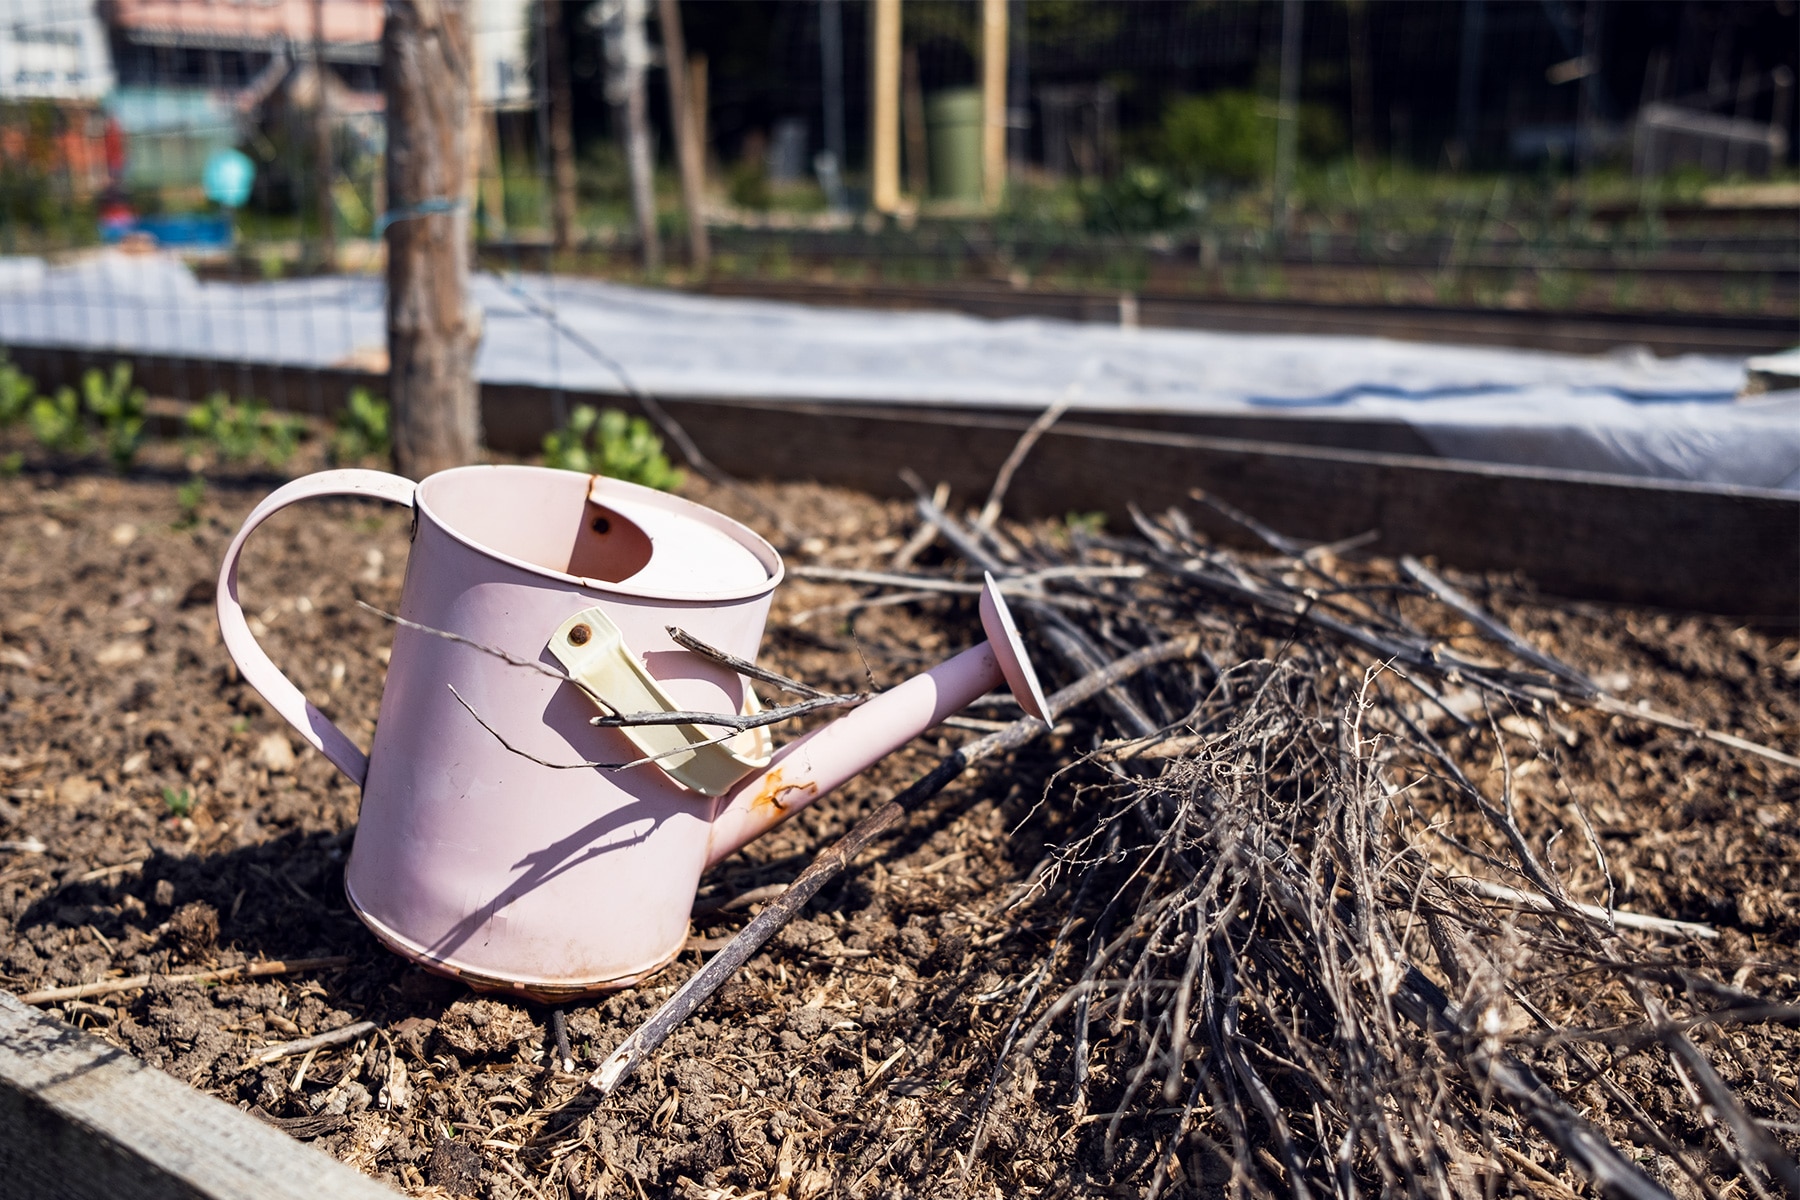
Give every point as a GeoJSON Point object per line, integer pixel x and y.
{"type": "Point", "coordinates": [84, 1120]}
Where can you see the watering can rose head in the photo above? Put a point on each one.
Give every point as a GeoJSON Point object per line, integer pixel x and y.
{"type": "Point", "coordinates": [506, 839]}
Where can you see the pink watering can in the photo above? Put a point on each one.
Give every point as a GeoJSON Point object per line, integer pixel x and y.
{"type": "Point", "coordinates": [483, 851]}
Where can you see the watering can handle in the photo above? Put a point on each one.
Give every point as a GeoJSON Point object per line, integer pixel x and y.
{"type": "Point", "coordinates": [258, 670]}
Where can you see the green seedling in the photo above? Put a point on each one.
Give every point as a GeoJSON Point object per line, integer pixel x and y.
{"type": "Point", "coordinates": [244, 430]}
{"type": "Point", "coordinates": [1089, 523]}
{"type": "Point", "coordinates": [362, 429]}
{"type": "Point", "coordinates": [17, 390]}
{"type": "Point", "coordinates": [56, 422]}
{"type": "Point", "coordinates": [120, 408]}
{"type": "Point", "coordinates": [190, 496]}
{"type": "Point", "coordinates": [611, 443]}
{"type": "Point", "coordinates": [179, 803]}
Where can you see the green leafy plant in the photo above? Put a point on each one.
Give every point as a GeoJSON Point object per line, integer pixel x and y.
{"type": "Point", "coordinates": [242, 430]}
{"type": "Point", "coordinates": [178, 803]}
{"type": "Point", "coordinates": [1223, 135]}
{"type": "Point", "coordinates": [56, 422]}
{"type": "Point", "coordinates": [120, 408]}
{"type": "Point", "coordinates": [363, 429]}
{"type": "Point", "coordinates": [611, 443]}
{"type": "Point", "coordinates": [17, 390]}
{"type": "Point", "coordinates": [190, 496]}
{"type": "Point", "coordinates": [1140, 200]}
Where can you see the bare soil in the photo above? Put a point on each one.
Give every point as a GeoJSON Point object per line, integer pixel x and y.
{"type": "Point", "coordinates": [156, 818]}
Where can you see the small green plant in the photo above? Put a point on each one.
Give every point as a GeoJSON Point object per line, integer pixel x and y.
{"type": "Point", "coordinates": [56, 422]}
{"type": "Point", "coordinates": [17, 390]}
{"type": "Point", "coordinates": [11, 464]}
{"type": "Point", "coordinates": [178, 803]}
{"type": "Point", "coordinates": [611, 443]}
{"type": "Point", "coordinates": [1089, 523]}
{"type": "Point", "coordinates": [120, 408]}
{"type": "Point", "coordinates": [363, 429]}
{"type": "Point", "coordinates": [242, 430]}
{"type": "Point", "coordinates": [190, 496]}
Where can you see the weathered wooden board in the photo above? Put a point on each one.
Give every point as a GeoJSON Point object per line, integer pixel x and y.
{"type": "Point", "coordinates": [1706, 548]}
{"type": "Point", "coordinates": [82, 1120]}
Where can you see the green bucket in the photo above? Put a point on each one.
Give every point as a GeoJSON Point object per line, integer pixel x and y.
{"type": "Point", "coordinates": [953, 125]}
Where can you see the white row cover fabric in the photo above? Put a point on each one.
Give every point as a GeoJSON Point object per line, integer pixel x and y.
{"type": "Point", "coordinates": [1626, 413]}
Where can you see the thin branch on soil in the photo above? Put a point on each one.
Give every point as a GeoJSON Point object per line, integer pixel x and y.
{"type": "Point", "coordinates": [990, 512]}
{"type": "Point", "coordinates": [837, 859]}
{"type": "Point", "coordinates": [306, 1045]}
{"type": "Point", "coordinates": [130, 983]}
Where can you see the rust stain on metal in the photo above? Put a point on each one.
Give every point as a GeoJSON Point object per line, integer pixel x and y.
{"type": "Point", "coordinates": [779, 796]}
{"type": "Point", "coordinates": [579, 635]}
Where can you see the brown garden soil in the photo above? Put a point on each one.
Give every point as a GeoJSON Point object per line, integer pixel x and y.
{"type": "Point", "coordinates": [157, 818]}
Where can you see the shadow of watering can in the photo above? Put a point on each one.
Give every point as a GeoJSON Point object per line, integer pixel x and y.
{"type": "Point", "coordinates": [488, 853]}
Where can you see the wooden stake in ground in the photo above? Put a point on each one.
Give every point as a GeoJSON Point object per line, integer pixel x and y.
{"type": "Point", "coordinates": [884, 80]}
{"type": "Point", "coordinates": [835, 861]}
{"type": "Point", "coordinates": [432, 333]}
{"type": "Point", "coordinates": [627, 58]}
{"type": "Point", "coordinates": [690, 152]}
{"type": "Point", "coordinates": [993, 102]}
{"type": "Point", "coordinates": [562, 135]}
{"type": "Point", "coordinates": [322, 150]}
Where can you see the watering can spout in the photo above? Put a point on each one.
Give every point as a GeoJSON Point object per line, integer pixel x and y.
{"type": "Point", "coordinates": [813, 765]}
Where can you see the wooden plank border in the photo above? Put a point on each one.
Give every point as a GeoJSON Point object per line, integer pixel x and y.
{"type": "Point", "coordinates": [1700, 547]}
{"type": "Point", "coordinates": [83, 1120]}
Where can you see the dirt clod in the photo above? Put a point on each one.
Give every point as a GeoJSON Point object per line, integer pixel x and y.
{"type": "Point", "coordinates": [194, 928]}
{"type": "Point", "coordinates": [454, 1167]}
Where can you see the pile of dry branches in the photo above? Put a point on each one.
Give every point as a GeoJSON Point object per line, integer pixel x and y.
{"type": "Point", "coordinates": [1300, 943]}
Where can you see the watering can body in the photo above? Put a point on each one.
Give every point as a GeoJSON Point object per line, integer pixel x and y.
{"type": "Point", "coordinates": [484, 850]}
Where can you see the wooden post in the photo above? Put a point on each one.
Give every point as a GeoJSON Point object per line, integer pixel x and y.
{"type": "Point", "coordinates": [562, 136]}
{"type": "Point", "coordinates": [884, 165]}
{"type": "Point", "coordinates": [83, 1120]}
{"type": "Point", "coordinates": [993, 102]}
{"type": "Point", "coordinates": [697, 102]}
{"type": "Point", "coordinates": [432, 334]}
{"type": "Point", "coordinates": [630, 57]}
{"type": "Point", "coordinates": [1287, 131]}
{"type": "Point", "coordinates": [912, 125]}
{"type": "Point", "coordinates": [322, 150]}
{"type": "Point", "coordinates": [690, 152]}
{"type": "Point", "coordinates": [1362, 93]}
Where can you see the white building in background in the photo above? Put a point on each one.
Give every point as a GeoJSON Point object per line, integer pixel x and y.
{"type": "Point", "coordinates": [53, 50]}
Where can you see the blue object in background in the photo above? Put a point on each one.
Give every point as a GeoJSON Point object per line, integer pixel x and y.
{"type": "Point", "coordinates": [228, 176]}
{"type": "Point", "coordinates": [193, 231]}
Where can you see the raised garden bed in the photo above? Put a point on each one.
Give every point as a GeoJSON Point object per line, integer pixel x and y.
{"type": "Point", "coordinates": [158, 820]}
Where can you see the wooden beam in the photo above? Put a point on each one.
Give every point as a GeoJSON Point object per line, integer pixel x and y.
{"type": "Point", "coordinates": [884, 83]}
{"type": "Point", "coordinates": [993, 101]}
{"type": "Point", "coordinates": [83, 1120]}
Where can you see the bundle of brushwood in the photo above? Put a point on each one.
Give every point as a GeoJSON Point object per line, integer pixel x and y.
{"type": "Point", "coordinates": [1303, 927]}
{"type": "Point", "coordinates": [1291, 921]}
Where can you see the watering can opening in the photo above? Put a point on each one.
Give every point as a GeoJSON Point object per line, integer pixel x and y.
{"type": "Point", "coordinates": [601, 533]}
